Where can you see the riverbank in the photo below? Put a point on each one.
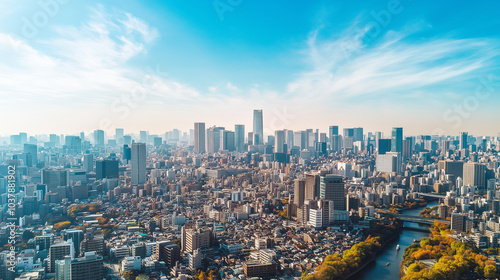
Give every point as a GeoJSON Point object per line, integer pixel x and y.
{"type": "Point", "coordinates": [377, 268]}
{"type": "Point", "coordinates": [374, 257]}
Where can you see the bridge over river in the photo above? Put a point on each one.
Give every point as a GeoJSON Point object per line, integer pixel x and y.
{"type": "Point", "coordinates": [413, 219]}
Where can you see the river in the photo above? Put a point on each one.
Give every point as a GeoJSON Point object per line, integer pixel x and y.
{"type": "Point", "coordinates": [378, 269]}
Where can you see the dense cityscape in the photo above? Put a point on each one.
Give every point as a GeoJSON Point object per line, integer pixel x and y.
{"type": "Point", "coordinates": [249, 140]}
{"type": "Point", "coordinates": [217, 203]}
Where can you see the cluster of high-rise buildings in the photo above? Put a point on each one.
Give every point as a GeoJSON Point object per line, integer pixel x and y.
{"type": "Point", "coordinates": [238, 203]}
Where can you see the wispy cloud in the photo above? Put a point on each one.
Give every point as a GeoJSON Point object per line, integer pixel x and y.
{"type": "Point", "coordinates": [86, 63]}
{"type": "Point", "coordinates": [345, 67]}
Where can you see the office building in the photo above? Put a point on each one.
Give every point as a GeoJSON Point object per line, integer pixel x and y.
{"type": "Point", "coordinates": [311, 186]}
{"type": "Point", "coordinates": [451, 167]}
{"type": "Point", "coordinates": [119, 132]}
{"type": "Point", "coordinates": [168, 252]}
{"type": "Point", "coordinates": [332, 189]}
{"type": "Point", "coordinates": [192, 239]}
{"type": "Point", "coordinates": [199, 137]}
{"type": "Point", "coordinates": [32, 151]}
{"type": "Point", "coordinates": [73, 145]}
{"type": "Point", "coordinates": [384, 146]}
{"type": "Point", "coordinates": [358, 134]}
{"type": "Point", "coordinates": [299, 192]}
{"type": "Point", "coordinates": [333, 130]}
{"type": "Point", "coordinates": [88, 267]}
{"type": "Point", "coordinates": [76, 237]}
{"type": "Point", "coordinates": [106, 169]}
{"type": "Point", "coordinates": [138, 158]}
{"type": "Point", "coordinates": [92, 244]}
{"type": "Point", "coordinates": [54, 178]}
{"type": "Point", "coordinates": [336, 143]}
{"type": "Point", "coordinates": [258, 127]}
{"type": "Point", "coordinates": [239, 137]}
{"type": "Point", "coordinates": [289, 139]}
{"type": "Point", "coordinates": [389, 163]}
{"type": "Point", "coordinates": [88, 162]}
{"type": "Point", "coordinates": [227, 140]}
{"type": "Point", "coordinates": [58, 252]}
{"type": "Point", "coordinates": [463, 140]}
{"type": "Point", "coordinates": [214, 139]}
{"type": "Point", "coordinates": [143, 136]}
{"type": "Point", "coordinates": [397, 140]}
{"type": "Point", "coordinates": [279, 141]}
{"type": "Point", "coordinates": [475, 175]}
{"type": "Point", "coordinates": [458, 222]}
{"type": "Point", "coordinates": [99, 138]}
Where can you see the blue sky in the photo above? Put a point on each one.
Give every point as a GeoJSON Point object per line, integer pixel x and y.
{"type": "Point", "coordinates": [70, 66]}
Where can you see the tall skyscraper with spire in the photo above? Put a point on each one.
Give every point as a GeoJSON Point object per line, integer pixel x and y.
{"type": "Point", "coordinates": [258, 127]}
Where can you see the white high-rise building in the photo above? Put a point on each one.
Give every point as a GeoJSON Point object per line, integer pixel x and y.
{"type": "Point", "coordinates": [138, 164]}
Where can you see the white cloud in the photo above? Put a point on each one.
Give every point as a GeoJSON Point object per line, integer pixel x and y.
{"type": "Point", "coordinates": [88, 64]}
{"type": "Point", "coordinates": [344, 67]}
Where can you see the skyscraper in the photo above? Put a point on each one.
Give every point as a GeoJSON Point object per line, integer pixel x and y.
{"type": "Point", "coordinates": [299, 192]}
{"type": "Point", "coordinates": [106, 168]}
{"type": "Point", "coordinates": [73, 144]}
{"type": "Point", "coordinates": [119, 135]}
{"type": "Point", "coordinates": [289, 139]}
{"type": "Point", "coordinates": [32, 151]}
{"type": "Point", "coordinates": [336, 143]}
{"type": "Point", "coordinates": [397, 140]}
{"type": "Point", "coordinates": [384, 146]}
{"type": "Point", "coordinates": [358, 134]}
{"type": "Point", "coordinates": [199, 137]}
{"type": "Point", "coordinates": [349, 132]}
{"type": "Point", "coordinates": [239, 137]}
{"type": "Point", "coordinates": [331, 187]}
{"type": "Point", "coordinates": [258, 127]}
{"type": "Point", "coordinates": [99, 138]}
{"type": "Point", "coordinates": [88, 162]}
{"type": "Point", "coordinates": [475, 175]}
{"type": "Point", "coordinates": [143, 136]}
{"type": "Point", "coordinates": [227, 140]}
{"type": "Point", "coordinates": [138, 159]}
{"type": "Point", "coordinates": [333, 130]}
{"type": "Point", "coordinates": [279, 141]}
{"type": "Point", "coordinates": [213, 139]}
{"type": "Point", "coordinates": [463, 142]}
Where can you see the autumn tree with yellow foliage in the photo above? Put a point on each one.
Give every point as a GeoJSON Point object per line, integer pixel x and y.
{"type": "Point", "coordinates": [454, 259]}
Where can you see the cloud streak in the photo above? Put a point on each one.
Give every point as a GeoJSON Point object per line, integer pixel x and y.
{"type": "Point", "coordinates": [345, 67]}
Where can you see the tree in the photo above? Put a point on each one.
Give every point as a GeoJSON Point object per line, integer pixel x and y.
{"type": "Point", "coordinates": [128, 275]}
{"type": "Point", "coordinates": [490, 271]}
{"type": "Point", "coordinates": [62, 225]}
{"type": "Point", "coordinates": [27, 235]}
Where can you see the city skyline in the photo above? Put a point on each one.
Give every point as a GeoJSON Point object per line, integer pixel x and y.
{"type": "Point", "coordinates": [87, 66]}
{"type": "Point", "coordinates": [233, 139]}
